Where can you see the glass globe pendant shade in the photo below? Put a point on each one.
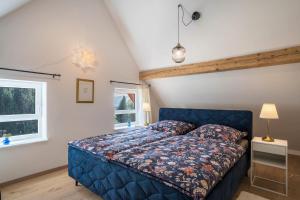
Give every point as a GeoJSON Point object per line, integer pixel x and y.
{"type": "Point", "coordinates": [178, 53]}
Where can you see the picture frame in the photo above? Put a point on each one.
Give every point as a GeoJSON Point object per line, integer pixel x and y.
{"type": "Point", "coordinates": [84, 90]}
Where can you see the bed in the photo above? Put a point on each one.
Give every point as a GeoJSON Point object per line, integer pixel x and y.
{"type": "Point", "coordinates": [112, 180]}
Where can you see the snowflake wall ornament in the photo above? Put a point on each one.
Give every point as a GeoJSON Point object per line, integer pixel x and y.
{"type": "Point", "coordinates": [84, 58]}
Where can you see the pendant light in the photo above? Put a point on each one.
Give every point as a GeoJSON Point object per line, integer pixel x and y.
{"type": "Point", "coordinates": [178, 52]}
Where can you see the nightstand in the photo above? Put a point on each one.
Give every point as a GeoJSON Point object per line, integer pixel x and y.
{"type": "Point", "coordinates": [272, 154]}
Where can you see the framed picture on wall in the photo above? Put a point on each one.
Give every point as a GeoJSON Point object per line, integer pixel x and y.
{"type": "Point", "coordinates": [84, 91]}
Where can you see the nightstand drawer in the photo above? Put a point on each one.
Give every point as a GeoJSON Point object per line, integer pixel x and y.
{"type": "Point", "coordinates": [268, 148]}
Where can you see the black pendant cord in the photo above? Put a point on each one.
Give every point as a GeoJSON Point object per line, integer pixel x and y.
{"type": "Point", "coordinates": [195, 16]}
{"type": "Point", "coordinates": [30, 72]}
{"type": "Point", "coordinates": [182, 18]}
{"type": "Point", "coordinates": [179, 6]}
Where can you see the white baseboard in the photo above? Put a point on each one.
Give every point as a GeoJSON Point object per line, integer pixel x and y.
{"type": "Point", "coordinates": [294, 152]}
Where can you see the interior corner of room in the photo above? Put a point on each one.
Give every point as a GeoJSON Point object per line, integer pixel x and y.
{"type": "Point", "coordinates": [71, 70]}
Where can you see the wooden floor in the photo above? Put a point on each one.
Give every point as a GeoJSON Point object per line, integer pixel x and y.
{"type": "Point", "coordinates": [58, 186]}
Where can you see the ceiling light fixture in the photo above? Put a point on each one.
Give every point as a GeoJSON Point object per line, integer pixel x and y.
{"type": "Point", "coordinates": [178, 52]}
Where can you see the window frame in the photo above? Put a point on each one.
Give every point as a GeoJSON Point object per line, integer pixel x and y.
{"type": "Point", "coordinates": [40, 111]}
{"type": "Point", "coordinates": [121, 92]}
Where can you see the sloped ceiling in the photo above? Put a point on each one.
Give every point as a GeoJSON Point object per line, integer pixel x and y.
{"type": "Point", "coordinates": [226, 28]}
{"type": "Point", "coordinates": [7, 6]}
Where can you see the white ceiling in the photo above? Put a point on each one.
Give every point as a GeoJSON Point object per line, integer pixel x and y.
{"type": "Point", "coordinates": [7, 6]}
{"type": "Point", "coordinates": [226, 28]}
{"type": "Point", "coordinates": [150, 27]}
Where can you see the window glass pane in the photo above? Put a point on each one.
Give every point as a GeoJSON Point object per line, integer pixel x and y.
{"type": "Point", "coordinates": [124, 101]}
{"type": "Point", "coordinates": [19, 127]}
{"type": "Point", "coordinates": [17, 101]}
{"type": "Point", "coordinates": [124, 118]}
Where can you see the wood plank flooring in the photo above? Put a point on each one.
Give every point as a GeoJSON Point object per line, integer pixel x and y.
{"type": "Point", "coordinates": [59, 186]}
{"type": "Point", "coordinates": [54, 186]}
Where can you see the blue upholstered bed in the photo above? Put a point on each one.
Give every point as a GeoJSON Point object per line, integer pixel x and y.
{"type": "Point", "coordinates": [112, 181]}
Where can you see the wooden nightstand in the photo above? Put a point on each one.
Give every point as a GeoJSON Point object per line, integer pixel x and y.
{"type": "Point", "coordinates": [272, 154]}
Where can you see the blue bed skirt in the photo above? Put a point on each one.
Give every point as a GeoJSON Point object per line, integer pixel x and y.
{"type": "Point", "coordinates": [114, 182]}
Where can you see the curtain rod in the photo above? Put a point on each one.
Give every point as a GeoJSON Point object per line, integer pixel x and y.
{"type": "Point", "coordinates": [30, 72]}
{"type": "Point", "coordinates": [128, 83]}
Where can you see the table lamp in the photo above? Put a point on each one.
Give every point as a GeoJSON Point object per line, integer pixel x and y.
{"type": "Point", "coordinates": [147, 109]}
{"type": "Point", "coordinates": [268, 111]}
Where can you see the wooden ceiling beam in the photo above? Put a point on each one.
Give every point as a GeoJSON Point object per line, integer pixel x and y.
{"type": "Point", "coordinates": [262, 59]}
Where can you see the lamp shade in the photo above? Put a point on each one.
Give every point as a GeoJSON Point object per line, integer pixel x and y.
{"type": "Point", "coordinates": [178, 53]}
{"type": "Point", "coordinates": [146, 107]}
{"type": "Point", "coordinates": [268, 111]}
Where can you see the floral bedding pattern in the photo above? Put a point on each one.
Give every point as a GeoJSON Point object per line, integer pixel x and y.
{"type": "Point", "coordinates": [175, 127]}
{"type": "Point", "coordinates": [110, 144]}
{"type": "Point", "coordinates": [218, 132]}
{"type": "Point", "coordinates": [192, 165]}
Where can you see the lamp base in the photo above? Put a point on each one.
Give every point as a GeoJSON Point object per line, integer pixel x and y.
{"type": "Point", "coordinates": [268, 139]}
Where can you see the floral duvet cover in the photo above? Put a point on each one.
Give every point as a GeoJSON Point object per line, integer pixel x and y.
{"type": "Point", "coordinates": [109, 144]}
{"type": "Point", "coordinates": [187, 163]}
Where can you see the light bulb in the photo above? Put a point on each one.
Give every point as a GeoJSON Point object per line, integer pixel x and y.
{"type": "Point", "coordinates": [178, 53]}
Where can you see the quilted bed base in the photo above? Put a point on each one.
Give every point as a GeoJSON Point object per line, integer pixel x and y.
{"type": "Point", "coordinates": [113, 182]}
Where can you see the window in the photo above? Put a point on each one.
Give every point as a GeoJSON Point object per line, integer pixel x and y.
{"type": "Point", "coordinates": [22, 110]}
{"type": "Point", "coordinates": [126, 107]}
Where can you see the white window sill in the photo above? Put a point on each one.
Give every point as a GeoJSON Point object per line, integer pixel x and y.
{"type": "Point", "coordinates": [23, 142]}
{"type": "Point", "coordinates": [124, 127]}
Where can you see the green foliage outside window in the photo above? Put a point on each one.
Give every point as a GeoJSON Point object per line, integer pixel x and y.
{"type": "Point", "coordinates": [15, 101]}
{"type": "Point", "coordinates": [125, 104]}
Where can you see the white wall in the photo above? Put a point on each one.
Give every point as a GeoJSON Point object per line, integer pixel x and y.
{"type": "Point", "coordinates": [247, 90]}
{"type": "Point", "coordinates": [226, 28]}
{"type": "Point", "coordinates": [43, 33]}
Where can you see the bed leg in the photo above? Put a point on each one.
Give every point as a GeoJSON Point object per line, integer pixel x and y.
{"type": "Point", "coordinates": [248, 173]}
{"type": "Point", "coordinates": [76, 184]}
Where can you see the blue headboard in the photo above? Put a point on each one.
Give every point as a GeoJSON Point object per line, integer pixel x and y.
{"type": "Point", "coordinates": [238, 119]}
